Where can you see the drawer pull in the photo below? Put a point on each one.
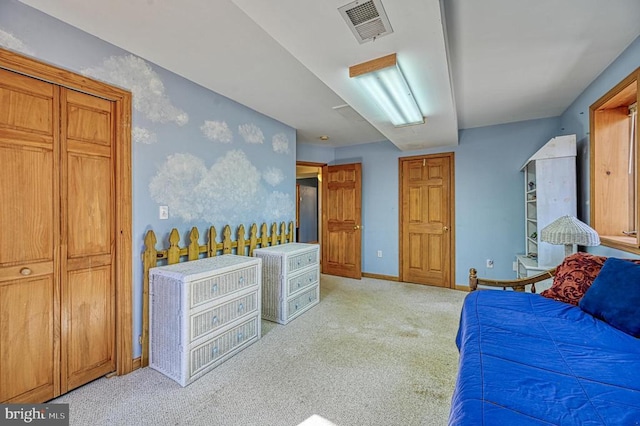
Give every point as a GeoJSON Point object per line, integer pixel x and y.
{"type": "Point", "coordinates": [310, 298]}
{"type": "Point", "coordinates": [241, 280]}
{"type": "Point", "coordinates": [25, 271]}
{"type": "Point", "coordinates": [214, 288]}
{"type": "Point", "coordinates": [240, 336]}
{"type": "Point", "coordinates": [240, 307]}
{"type": "Point", "coordinates": [310, 278]}
{"type": "Point", "coordinates": [296, 307]}
{"type": "Point", "coordinates": [299, 284]}
{"type": "Point", "coordinates": [214, 320]}
{"type": "Point", "coordinates": [214, 352]}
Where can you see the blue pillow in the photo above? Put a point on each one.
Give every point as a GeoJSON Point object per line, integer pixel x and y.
{"type": "Point", "coordinates": [614, 296]}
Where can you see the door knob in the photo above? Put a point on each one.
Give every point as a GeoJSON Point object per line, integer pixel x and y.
{"type": "Point", "coordinates": [25, 271]}
{"type": "Point", "coordinates": [445, 228]}
{"type": "Point", "coordinates": [356, 227]}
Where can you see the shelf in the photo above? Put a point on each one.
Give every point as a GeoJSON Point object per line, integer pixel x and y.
{"type": "Point", "coordinates": [549, 175]}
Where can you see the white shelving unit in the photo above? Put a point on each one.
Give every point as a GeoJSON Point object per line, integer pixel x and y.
{"type": "Point", "coordinates": [550, 192]}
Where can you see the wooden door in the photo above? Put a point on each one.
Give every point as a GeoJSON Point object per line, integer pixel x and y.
{"type": "Point", "coordinates": [341, 218]}
{"type": "Point", "coordinates": [57, 288]}
{"type": "Point", "coordinates": [426, 219]}
{"type": "Point", "coordinates": [29, 240]}
{"type": "Point", "coordinates": [87, 250]}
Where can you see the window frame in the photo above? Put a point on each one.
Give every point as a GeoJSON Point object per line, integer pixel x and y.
{"type": "Point", "coordinates": [624, 94]}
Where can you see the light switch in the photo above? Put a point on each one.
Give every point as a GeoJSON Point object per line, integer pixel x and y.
{"type": "Point", "coordinates": [164, 212]}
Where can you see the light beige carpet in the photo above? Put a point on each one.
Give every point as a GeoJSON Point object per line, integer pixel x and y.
{"type": "Point", "coordinates": [372, 352]}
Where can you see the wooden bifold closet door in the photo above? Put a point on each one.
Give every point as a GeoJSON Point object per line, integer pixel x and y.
{"type": "Point", "coordinates": [57, 307]}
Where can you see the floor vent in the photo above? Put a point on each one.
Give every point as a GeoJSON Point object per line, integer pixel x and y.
{"type": "Point", "coordinates": [366, 19]}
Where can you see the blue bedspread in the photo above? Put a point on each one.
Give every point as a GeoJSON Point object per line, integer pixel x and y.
{"type": "Point", "coordinates": [529, 360]}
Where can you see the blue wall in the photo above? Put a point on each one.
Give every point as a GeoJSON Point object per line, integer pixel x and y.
{"type": "Point", "coordinates": [489, 218]}
{"type": "Point", "coordinates": [211, 160]}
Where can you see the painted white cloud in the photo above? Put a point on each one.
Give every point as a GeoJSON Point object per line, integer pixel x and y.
{"type": "Point", "coordinates": [279, 205]}
{"type": "Point", "coordinates": [145, 136]}
{"type": "Point", "coordinates": [230, 187]}
{"type": "Point", "coordinates": [149, 96]}
{"type": "Point", "coordinates": [251, 133]}
{"type": "Point", "coordinates": [217, 131]}
{"type": "Point", "coordinates": [173, 185]}
{"type": "Point", "coordinates": [9, 41]}
{"type": "Point", "coordinates": [223, 192]}
{"type": "Point", "coordinates": [280, 143]}
{"type": "Point", "coordinates": [273, 176]}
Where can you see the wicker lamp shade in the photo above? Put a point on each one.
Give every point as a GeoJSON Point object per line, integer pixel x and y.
{"type": "Point", "coordinates": [569, 230]}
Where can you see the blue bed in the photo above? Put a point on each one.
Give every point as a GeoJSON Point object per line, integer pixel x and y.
{"type": "Point", "coordinates": [529, 360]}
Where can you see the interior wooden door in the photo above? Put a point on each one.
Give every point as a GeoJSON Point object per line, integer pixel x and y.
{"type": "Point", "coordinates": [57, 286]}
{"type": "Point", "coordinates": [341, 217]}
{"type": "Point", "coordinates": [29, 240]}
{"type": "Point", "coordinates": [87, 251]}
{"type": "Point", "coordinates": [426, 219]}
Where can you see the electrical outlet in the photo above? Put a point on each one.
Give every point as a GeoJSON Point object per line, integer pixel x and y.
{"type": "Point", "coordinates": [489, 263]}
{"type": "Point", "coordinates": [379, 253]}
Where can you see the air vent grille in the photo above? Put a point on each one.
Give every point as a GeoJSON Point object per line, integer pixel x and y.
{"type": "Point", "coordinates": [363, 13]}
{"type": "Point", "coordinates": [366, 20]}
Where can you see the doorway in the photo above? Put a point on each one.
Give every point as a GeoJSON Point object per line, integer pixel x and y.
{"type": "Point", "coordinates": [308, 202]}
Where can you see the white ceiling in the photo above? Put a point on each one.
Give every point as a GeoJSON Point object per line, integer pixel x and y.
{"type": "Point", "coordinates": [470, 63]}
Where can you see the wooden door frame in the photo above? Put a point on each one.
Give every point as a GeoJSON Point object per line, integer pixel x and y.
{"type": "Point", "coordinates": [123, 215]}
{"type": "Point", "coordinates": [452, 217]}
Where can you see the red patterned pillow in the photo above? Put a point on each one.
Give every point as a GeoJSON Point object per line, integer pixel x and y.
{"type": "Point", "coordinates": [574, 276]}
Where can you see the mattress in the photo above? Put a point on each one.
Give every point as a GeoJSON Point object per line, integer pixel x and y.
{"type": "Point", "coordinates": [529, 360]}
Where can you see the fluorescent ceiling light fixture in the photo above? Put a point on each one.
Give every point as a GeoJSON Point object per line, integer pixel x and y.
{"type": "Point", "coordinates": [385, 83]}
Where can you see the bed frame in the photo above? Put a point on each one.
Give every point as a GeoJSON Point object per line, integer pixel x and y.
{"type": "Point", "coordinates": [516, 285]}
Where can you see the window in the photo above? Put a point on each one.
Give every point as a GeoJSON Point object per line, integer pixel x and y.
{"type": "Point", "coordinates": [614, 162]}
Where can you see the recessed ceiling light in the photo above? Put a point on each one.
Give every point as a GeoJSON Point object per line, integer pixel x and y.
{"type": "Point", "coordinates": [324, 138]}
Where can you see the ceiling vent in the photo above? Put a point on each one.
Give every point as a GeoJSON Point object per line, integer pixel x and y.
{"type": "Point", "coordinates": [366, 19]}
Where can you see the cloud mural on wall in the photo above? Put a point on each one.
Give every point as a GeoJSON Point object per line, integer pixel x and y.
{"type": "Point", "coordinates": [225, 191]}
{"type": "Point", "coordinates": [149, 96]}
{"type": "Point", "coordinates": [251, 133]}
{"type": "Point", "coordinates": [273, 176]}
{"type": "Point", "coordinates": [217, 131]}
{"type": "Point", "coordinates": [145, 136]}
{"type": "Point", "coordinates": [279, 205]}
{"type": "Point", "coordinates": [174, 183]}
{"type": "Point", "coordinates": [11, 42]}
{"type": "Point", "coordinates": [280, 143]}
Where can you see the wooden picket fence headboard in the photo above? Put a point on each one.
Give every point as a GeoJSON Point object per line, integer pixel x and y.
{"type": "Point", "coordinates": [174, 253]}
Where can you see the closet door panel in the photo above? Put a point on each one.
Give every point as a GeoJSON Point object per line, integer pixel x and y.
{"type": "Point", "coordinates": [29, 240]}
{"type": "Point", "coordinates": [26, 204]}
{"type": "Point", "coordinates": [88, 238]}
{"type": "Point", "coordinates": [89, 304]}
{"type": "Point", "coordinates": [28, 370]}
{"type": "Point", "coordinates": [89, 206]}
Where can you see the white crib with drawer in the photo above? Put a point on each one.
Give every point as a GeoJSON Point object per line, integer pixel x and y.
{"type": "Point", "coordinates": [202, 313]}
